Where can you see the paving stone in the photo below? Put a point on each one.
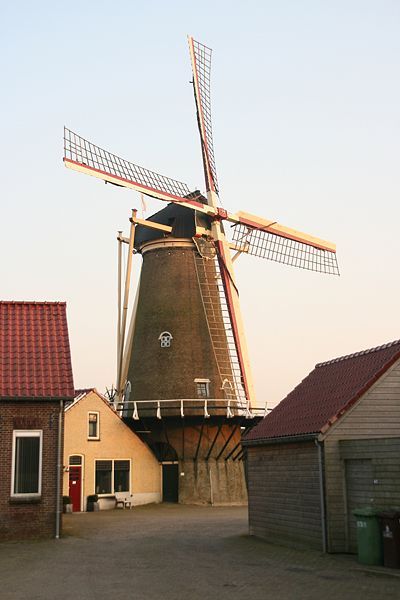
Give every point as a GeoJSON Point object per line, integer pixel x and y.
{"type": "Point", "coordinates": [173, 552]}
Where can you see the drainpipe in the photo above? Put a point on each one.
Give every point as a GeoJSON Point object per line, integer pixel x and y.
{"type": "Point", "coordinates": [59, 465]}
{"type": "Point", "coordinates": [322, 493]}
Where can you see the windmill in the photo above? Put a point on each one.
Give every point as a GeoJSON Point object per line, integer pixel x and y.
{"type": "Point", "coordinates": [184, 378]}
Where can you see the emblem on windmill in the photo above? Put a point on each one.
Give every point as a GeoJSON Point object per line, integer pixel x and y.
{"type": "Point", "coordinates": [184, 354]}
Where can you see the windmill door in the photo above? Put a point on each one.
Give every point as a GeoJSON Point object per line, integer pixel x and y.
{"type": "Point", "coordinates": [170, 472]}
{"type": "Point", "coordinates": [75, 486]}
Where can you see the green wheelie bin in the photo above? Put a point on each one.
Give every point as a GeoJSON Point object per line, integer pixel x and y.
{"type": "Point", "coordinates": [369, 536]}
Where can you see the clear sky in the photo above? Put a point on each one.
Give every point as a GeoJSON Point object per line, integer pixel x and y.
{"type": "Point", "coordinates": [306, 99]}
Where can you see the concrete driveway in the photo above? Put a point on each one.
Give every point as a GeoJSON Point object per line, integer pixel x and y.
{"type": "Point", "coordinates": [177, 552]}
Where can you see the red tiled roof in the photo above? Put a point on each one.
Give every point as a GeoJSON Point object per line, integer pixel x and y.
{"type": "Point", "coordinates": [35, 359]}
{"type": "Point", "coordinates": [326, 393]}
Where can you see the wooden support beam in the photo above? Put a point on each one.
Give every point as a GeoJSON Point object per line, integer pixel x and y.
{"type": "Point", "coordinates": [120, 383]}
{"type": "Point", "coordinates": [151, 224]}
{"type": "Point", "coordinates": [214, 440]}
{"type": "Point", "coordinates": [123, 239]}
{"type": "Point", "coordinates": [238, 455]}
{"type": "Point", "coordinates": [234, 430]}
{"type": "Point", "coordinates": [165, 432]}
{"type": "Point", "coordinates": [233, 450]}
{"type": "Point", "coordinates": [273, 227]}
{"type": "Point", "coordinates": [199, 442]}
{"type": "Point", "coordinates": [119, 305]}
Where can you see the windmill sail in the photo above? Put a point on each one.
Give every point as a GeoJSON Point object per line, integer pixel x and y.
{"type": "Point", "coordinates": [83, 155]}
{"type": "Point", "coordinates": [285, 249]}
{"type": "Point", "coordinates": [200, 57]}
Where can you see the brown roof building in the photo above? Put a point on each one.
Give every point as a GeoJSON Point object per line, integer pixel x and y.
{"type": "Point", "coordinates": [327, 448]}
{"type": "Point", "coordinates": [35, 381]}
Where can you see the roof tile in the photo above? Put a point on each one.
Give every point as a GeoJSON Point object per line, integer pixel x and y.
{"type": "Point", "coordinates": [35, 358]}
{"type": "Point", "coordinates": [326, 393]}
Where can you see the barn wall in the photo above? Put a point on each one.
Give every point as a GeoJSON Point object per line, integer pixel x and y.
{"type": "Point", "coordinates": [284, 496]}
{"type": "Point", "coordinates": [376, 415]}
{"type": "Point", "coordinates": [372, 475]}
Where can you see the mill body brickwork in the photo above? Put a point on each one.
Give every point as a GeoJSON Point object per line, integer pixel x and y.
{"type": "Point", "coordinates": [204, 446]}
{"type": "Point", "coordinates": [170, 301]}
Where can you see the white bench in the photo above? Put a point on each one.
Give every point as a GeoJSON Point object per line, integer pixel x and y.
{"type": "Point", "coordinates": [123, 499]}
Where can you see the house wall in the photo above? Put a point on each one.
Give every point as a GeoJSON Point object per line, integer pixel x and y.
{"type": "Point", "coordinates": [375, 415]}
{"type": "Point", "coordinates": [284, 497]}
{"type": "Point", "coordinates": [116, 441]}
{"type": "Point", "coordinates": [35, 517]}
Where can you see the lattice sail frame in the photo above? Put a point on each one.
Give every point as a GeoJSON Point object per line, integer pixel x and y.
{"type": "Point", "coordinates": [201, 66]}
{"type": "Point", "coordinates": [270, 246]}
{"type": "Point", "coordinates": [80, 151]}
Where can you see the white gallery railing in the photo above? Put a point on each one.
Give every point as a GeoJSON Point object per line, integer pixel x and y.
{"type": "Point", "coordinates": [208, 406]}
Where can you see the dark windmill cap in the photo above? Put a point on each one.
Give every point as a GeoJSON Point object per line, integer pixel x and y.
{"type": "Point", "coordinates": [182, 220]}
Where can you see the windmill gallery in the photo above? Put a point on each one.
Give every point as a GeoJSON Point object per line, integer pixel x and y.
{"type": "Point", "coordinates": [184, 382]}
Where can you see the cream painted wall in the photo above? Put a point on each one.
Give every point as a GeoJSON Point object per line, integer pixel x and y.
{"type": "Point", "coordinates": [116, 441]}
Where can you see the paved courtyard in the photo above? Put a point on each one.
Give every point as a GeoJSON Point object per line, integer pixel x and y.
{"type": "Point", "coordinates": [178, 552]}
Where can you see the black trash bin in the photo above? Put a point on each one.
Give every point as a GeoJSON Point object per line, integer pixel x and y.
{"type": "Point", "coordinates": [390, 528]}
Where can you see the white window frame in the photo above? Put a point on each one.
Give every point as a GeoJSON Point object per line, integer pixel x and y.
{"type": "Point", "coordinates": [206, 383]}
{"type": "Point", "coordinates": [93, 437]}
{"type": "Point", "coordinates": [17, 433]}
{"type": "Point", "coordinates": [112, 476]}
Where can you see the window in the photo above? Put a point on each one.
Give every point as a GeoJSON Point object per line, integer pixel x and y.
{"type": "Point", "coordinates": [202, 388]}
{"type": "Point", "coordinates": [27, 463]}
{"type": "Point", "coordinates": [93, 426]}
{"type": "Point", "coordinates": [165, 339]}
{"type": "Point", "coordinates": [103, 476]}
{"type": "Point", "coordinates": [121, 476]}
{"type": "Point", "coordinates": [112, 476]}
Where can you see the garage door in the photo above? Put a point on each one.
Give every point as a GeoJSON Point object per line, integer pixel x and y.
{"type": "Point", "coordinates": [359, 489]}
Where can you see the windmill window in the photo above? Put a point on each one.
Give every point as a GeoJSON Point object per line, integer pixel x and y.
{"type": "Point", "coordinates": [202, 388]}
{"type": "Point", "coordinates": [165, 339]}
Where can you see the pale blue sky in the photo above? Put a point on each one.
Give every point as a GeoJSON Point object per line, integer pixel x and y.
{"type": "Point", "coordinates": [306, 100]}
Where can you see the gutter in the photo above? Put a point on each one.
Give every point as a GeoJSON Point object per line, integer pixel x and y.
{"type": "Point", "coordinates": [320, 448]}
{"type": "Point", "coordinates": [36, 398]}
{"type": "Point", "coordinates": [58, 470]}
{"type": "Point", "coordinates": [286, 439]}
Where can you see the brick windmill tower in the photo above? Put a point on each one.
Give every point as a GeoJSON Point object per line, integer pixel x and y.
{"type": "Point", "coordinates": [184, 377]}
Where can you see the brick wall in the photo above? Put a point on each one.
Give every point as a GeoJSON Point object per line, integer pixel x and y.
{"type": "Point", "coordinates": [28, 519]}
{"type": "Point", "coordinates": [170, 300]}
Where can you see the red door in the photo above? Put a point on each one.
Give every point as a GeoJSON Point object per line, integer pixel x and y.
{"type": "Point", "coordinates": [75, 480]}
